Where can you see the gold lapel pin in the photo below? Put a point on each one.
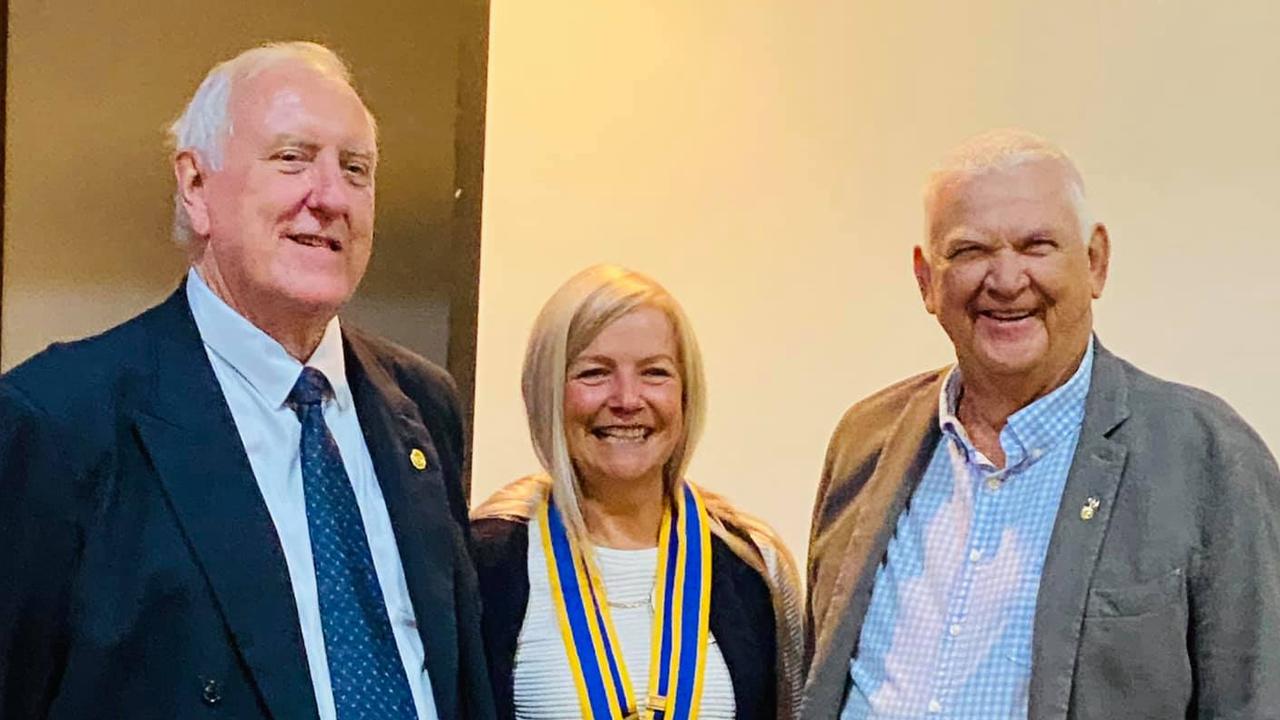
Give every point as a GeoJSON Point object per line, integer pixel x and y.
{"type": "Point", "coordinates": [1090, 508]}
{"type": "Point", "coordinates": [418, 458]}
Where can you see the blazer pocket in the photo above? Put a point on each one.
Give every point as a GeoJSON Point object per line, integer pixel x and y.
{"type": "Point", "coordinates": [1137, 600]}
{"type": "Point", "coordinates": [1133, 660]}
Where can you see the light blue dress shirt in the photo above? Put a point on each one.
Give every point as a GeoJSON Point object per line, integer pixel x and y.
{"type": "Point", "coordinates": [256, 374]}
{"type": "Point", "coordinates": [948, 632]}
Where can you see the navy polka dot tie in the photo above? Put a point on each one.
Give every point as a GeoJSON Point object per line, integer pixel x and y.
{"type": "Point", "coordinates": [365, 669]}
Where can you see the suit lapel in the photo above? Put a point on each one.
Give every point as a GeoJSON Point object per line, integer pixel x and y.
{"type": "Point", "coordinates": [1076, 543]}
{"type": "Point", "coordinates": [191, 438]}
{"type": "Point", "coordinates": [869, 525]}
{"type": "Point", "coordinates": [418, 507]}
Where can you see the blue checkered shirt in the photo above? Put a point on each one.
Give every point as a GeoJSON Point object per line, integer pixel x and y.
{"type": "Point", "coordinates": [948, 630]}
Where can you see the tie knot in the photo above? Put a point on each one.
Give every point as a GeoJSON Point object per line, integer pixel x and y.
{"type": "Point", "coordinates": [311, 388]}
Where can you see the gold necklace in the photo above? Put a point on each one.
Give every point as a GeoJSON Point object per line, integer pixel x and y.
{"type": "Point", "coordinates": [649, 602]}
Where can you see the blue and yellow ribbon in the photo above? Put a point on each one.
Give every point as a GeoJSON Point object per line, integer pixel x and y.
{"type": "Point", "coordinates": [681, 623]}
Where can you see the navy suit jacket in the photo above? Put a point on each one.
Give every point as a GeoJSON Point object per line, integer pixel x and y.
{"type": "Point", "coordinates": [142, 575]}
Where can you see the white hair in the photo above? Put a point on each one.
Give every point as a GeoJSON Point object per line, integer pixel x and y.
{"type": "Point", "coordinates": [1002, 149]}
{"type": "Point", "coordinates": [205, 122]}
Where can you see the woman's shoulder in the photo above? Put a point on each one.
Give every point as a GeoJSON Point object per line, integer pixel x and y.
{"type": "Point", "coordinates": [489, 534]}
{"type": "Point", "coordinates": [762, 538]}
{"type": "Point", "coordinates": [756, 543]}
{"type": "Point", "coordinates": [500, 524]}
{"type": "Point", "coordinates": [516, 501]}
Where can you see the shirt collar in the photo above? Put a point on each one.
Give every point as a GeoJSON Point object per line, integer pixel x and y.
{"type": "Point", "coordinates": [1034, 429]}
{"type": "Point", "coordinates": [258, 358]}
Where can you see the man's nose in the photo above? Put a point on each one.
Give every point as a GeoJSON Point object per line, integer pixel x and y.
{"type": "Point", "coordinates": [1006, 274]}
{"type": "Point", "coordinates": [330, 192]}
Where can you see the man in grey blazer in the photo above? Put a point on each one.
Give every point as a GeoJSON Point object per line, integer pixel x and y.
{"type": "Point", "coordinates": [1043, 530]}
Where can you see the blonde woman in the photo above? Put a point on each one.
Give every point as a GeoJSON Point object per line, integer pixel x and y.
{"type": "Point", "coordinates": [613, 588]}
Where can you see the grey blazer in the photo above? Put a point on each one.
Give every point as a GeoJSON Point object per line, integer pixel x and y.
{"type": "Point", "coordinates": [1165, 603]}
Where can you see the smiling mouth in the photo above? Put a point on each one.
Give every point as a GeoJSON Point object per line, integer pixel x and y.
{"type": "Point", "coordinates": [316, 241]}
{"type": "Point", "coordinates": [1008, 316]}
{"type": "Point", "coordinates": [622, 433]}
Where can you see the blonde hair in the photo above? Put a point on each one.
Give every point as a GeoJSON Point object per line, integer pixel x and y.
{"type": "Point", "coordinates": [571, 319]}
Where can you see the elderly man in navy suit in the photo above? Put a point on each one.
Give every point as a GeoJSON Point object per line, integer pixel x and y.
{"type": "Point", "coordinates": [233, 505]}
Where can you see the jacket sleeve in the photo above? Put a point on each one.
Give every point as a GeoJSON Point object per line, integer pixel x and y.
{"type": "Point", "coordinates": [41, 542]}
{"type": "Point", "coordinates": [784, 584]}
{"type": "Point", "coordinates": [1234, 585]}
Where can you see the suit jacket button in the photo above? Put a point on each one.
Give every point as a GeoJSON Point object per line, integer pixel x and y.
{"type": "Point", "coordinates": [212, 693]}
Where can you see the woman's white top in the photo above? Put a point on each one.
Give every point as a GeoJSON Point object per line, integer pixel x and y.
{"type": "Point", "coordinates": [544, 687]}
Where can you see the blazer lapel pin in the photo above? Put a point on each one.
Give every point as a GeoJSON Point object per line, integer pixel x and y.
{"type": "Point", "coordinates": [418, 458]}
{"type": "Point", "coordinates": [1090, 508]}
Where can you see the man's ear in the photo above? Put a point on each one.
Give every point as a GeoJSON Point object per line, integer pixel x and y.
{"type": "Point", "coordinates": [1099, 259]}
{"type": "Point", "coordinates": [924, 279]}
{"type": "Point", "coordinates": [189, 172]}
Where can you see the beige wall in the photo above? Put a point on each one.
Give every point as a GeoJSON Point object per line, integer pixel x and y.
{"type": "Point", "coordinates": [763, 159]}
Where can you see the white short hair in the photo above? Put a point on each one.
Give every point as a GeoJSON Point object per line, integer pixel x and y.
{"type": "Point", "coordinates": [1002, 149]}
{"type": "Point", "coordinates": [205, 122]}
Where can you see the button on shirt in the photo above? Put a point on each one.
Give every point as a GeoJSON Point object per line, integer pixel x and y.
{"type": "Point", "coordinates": [256, 374]}
{"type": "Point", "coordinates": [948, 631]}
